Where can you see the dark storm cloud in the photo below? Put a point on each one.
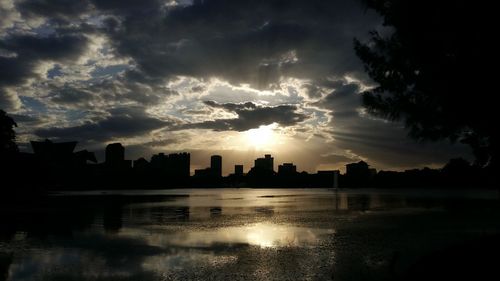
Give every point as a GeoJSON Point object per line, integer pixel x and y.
{"type": "Point", "coordinates": [255, 42]}
{"type": "Point", "coordinates": [387, 145]}
{"type": "Point", "coordinates": [241, 41]}
{"type": "Point", "coordinates": [54, 47]}
{"type": "Point", "coordinates": [382, 143]}
{"type": "Point", "coordinates": [64, 11]}
{"type": "Point", "coordinates": [69, 96]}
{"type": "Point", "coordinates": [343, 101]}
{"type": "Point", "coordinates": [13, 70]}
{"type": "Point", "coordinates": [54, 9]}
{"type": "Point", "coordinates": [105, 92]}
{"type": "Point", "coordinates": [29, 50]}
{"type": "Point", "coordinates": [235, 107]}
{"type": "Point", "coordinates": [122, 123]}
{"type": "Point", "coordinates": [250, 116]}
{"type": "Point", "coordinates": [130, 7]}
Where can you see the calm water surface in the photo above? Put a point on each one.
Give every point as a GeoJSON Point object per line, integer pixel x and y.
{"type": "Point", "coordinates": [238, 234]}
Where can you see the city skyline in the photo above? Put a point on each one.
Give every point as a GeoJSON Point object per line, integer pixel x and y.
{"type": "Point", "coordinates": [336, 140]}
{"type": "Point", "coordinates": [255, 77]}
{"type": "Point", "coordinates": [57, 165]}
{"type": "Point", "coordinates": [201, 158]}
{"type": "Point", "coordinates": [116, 155]}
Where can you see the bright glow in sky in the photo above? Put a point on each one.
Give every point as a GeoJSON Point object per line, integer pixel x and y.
{"type": "Point", "coordinates": [262, 138]}
{"type": "Point", "coordinates": [164, 76]}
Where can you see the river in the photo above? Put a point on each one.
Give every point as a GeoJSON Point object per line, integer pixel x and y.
{"type": "Point", "coordinates": [239, 234]}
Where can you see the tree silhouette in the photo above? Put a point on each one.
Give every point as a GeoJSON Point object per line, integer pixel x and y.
{"type": "Point", "coordinates": [433, 71]}
{"type": "Point", "coordinates": [7, 134]}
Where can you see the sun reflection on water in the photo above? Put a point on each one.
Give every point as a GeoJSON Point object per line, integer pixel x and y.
{"type": "Point", "coordinates": [264, 235]}
{"type": "Point", "coordinates": [272, 235]}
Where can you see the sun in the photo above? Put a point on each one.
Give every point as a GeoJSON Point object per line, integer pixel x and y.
{"type": "Point", "coordinates": [261, 137]}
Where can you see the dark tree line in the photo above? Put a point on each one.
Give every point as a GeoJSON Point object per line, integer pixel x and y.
{"type": "Point", "coordinates": [435, 71]}
{"type": "Point", "coordinates": [7, 135]}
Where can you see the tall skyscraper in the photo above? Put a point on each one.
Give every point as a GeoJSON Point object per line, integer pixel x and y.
{"type": "Point", "coordinates": [266, 163]}
{"type": "Point", "coordinates": [287, 169]}
{"type": "Point", "coordinates": [175, 165]}
{"type": "Point", "coordinates": [216, 165]}
{"type": "Point", "coordinates": [115, 154]}
{"type": "Point", "coordinates": [238, 170]}
{"type": "Point", "coordinates": [179, 164]}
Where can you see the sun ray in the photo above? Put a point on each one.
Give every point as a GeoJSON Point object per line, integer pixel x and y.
{"type": "Point", "coordinates": [262, 137]}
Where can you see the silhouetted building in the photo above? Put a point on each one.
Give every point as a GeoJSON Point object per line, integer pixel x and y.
{"type": "Point", "coordinates": [159, 161]}
{"type": "Point", "coordinates": [360, 169]}
{"type": "Point", "coordinates": [175, 165]}
{"type": "Point", "coordinates": [262, 172]}
{"type": "Point", "coordinates": [214, 171]}
{"type": "Point", "coordinates": [180, 164]}
{"type": "Point", "coordinates": [287, 169]}
{"type": "Point", "coordinates": [358, 174]}
{"type": "Point", "coordinates": [81, 157]}
{"type": "Point", "coordinates": [115, 154]}
{"type": "Point", "coordinates": [216, 165]}
{"type": "Point", "coordinates": [238, 170]}
{"type": "Point", "coordinates": [115, 157]}
{"type": "Point", "coordinates": [141, 163]}
{"type": "Point", "coordinates": [207, 172]}
{"type": "Point", "coordinates": [329, 178]}
{"type": "Point", "coordinates": [53, 164]}
{"type": "Point", "coordinates": [49, 152]}
{"type": "Point", "coordinates": [266, 163]}
{"type": "Point", "coordinates": [60, 154]}
{"type": "Point", "coordinates": [56, 165]}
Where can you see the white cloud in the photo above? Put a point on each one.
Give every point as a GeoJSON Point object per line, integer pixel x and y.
{"type": "Point", "coordinates": [9, 100]}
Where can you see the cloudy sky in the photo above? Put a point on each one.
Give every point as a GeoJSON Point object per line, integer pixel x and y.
{"type": "Point", "coordinates": [236, 78]}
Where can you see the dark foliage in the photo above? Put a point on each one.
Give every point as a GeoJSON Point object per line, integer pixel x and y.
{"type": "Point", "coordinates": [7, 134]}
{"type": "Point", "coordinates": [435, 71]}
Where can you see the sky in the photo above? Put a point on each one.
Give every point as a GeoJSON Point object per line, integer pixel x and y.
{"type": "Point", "coordinates": [234, 78]}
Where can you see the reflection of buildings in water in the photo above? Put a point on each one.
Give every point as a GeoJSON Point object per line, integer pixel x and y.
{"type": "Point", "coordinates": [344, 201]}
{"type": "Point", "coordinates": [162, 214]}
{"type": "Point", "coordinates": [341, 201]}
{"type": "Point", "coordinates": [375, 202]}
{"type": "Point", "coordinates": [209, 203]}
{"type": "Point", "coordinates": [203, 213]}
{"type": "Point", "coordinates": [5, 262]}
{"type": "Point", "coordinates": [396, 201]}
{"type": "Point", "coordinates": [215, 211]}
{"type": "Point", "coordinates": [206, 204]}
{"type": "Point", "coordinates": [266, 210]}
{"type": "Point", "coordinates": [90, 257]}
{"type": "Point", "coordinates": [112, 219]}
{"type": "Point", "coordinates": [387, 201]}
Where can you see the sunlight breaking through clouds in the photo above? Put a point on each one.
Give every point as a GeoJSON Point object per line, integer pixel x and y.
{"type": "Point", "coordinates": [73, 66]}
{"type": "Point", "coordinates": [262, 137]}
